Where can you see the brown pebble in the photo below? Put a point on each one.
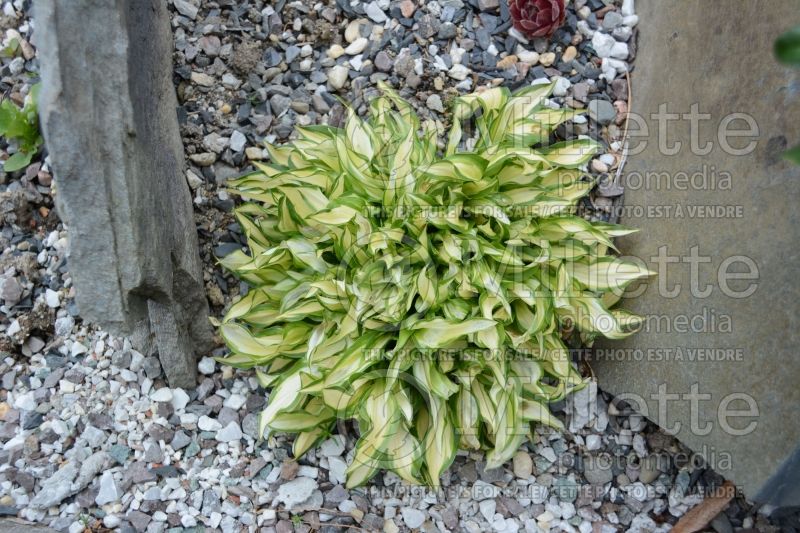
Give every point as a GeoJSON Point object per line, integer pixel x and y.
{"type": "Point", "coordinates": [44, 178]}
{"type": "Point", "coordinates": [507, 62]}
{"type": "Point", "coordinates": [622, 111]}
{"type": "Point", "coordinates": [289, 470]}
{"type": "Point", "coordinates": [407, 8]}
{"type": "Point", "coordinates": [569, 54]}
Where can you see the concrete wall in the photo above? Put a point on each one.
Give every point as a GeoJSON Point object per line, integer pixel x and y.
{"type": "Point", "coordinates": [716, 56]}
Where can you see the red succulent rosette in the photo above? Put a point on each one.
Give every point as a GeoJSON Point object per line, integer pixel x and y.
{"type": "Point", "coordinates": [537, 18]}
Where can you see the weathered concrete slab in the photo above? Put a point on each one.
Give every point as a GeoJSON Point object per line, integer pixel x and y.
{"type": "Point", "coordinates": [718, 59]}
{"type": "Point", "coordinates": [108, 111]}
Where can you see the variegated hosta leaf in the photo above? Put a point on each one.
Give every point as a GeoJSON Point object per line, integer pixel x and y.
{"type": "Point", "coordinates": [422, 294]}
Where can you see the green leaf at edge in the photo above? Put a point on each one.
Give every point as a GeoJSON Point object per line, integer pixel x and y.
{"type": "Point", "coordinates": [793, 155]}
{"type": "Point", "coordinates": [787, 47]}
{"type": "Point", "coordinates": [17, 161]}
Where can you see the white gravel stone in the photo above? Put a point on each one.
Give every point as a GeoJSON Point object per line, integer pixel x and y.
{"type": "Point", "coordinates": [374, 12]}
{"type": "Point", "coordinates": [548, 453]}
{"type": "Point", "coordinates": [488, 508]}
{"type": "Point", "coordinates": [523, 465]}
{"type": "Point", "coordinates": [413, 518]}
{"type": "Point", "coordinates": [603, 44]}
{"type": "Point", "coordinates": [230, 433]}
{"type": "Point", "coordinates": [180, 399]}
{"type": "Point", "coordinates": [112, 521]}
{"type": "Point", "coordinates": [631, 20]}
{"type": "Point", "coordinates": [357, 46]}
{"type": "Point", "coordinates": [561, 86]}
{"type": "Point", "coordinates": [163, 394]}
{"type": "Point", "coordinates": [434, 103]}
{"type": "Point", "coordinates": [186, 8]}
{"type": "Point", "coordinates": [234, 401]}
{"type": "Point", "coordinates": [78, 349]}
{"type": "Point", "coordinates": [238, 140]}
{"type": "Point", "coordinates": [296, 491]}
{"type": "Point", "coordinates": [25, 402]}
{"type": "Point", "coordinates": [619, 51]}
{"type": "Point", "coordinates": [593, 442]}
{"type": "Point", "coordinates": [337, 76]}
{"type": "Point", "coordinates": [458, 72]}
{"type": "Point", "coordinates": [334, 446]}
{"type": "Point", "coordinates": [94, 437]}
{"type": "Point", "coordinates": [206, 366]}
{"type": "Point", "coordinates": [336, 469]}
{"type": "Point", "coordinates": [335, 51]}
{"type": "Point", "coordinates": [628, 8]}
{"type": "Point", "coordinates": [109, 492]}
{"type": "Point", "coordinates": [52, 299]}
{"type": "Point", "coordinates": [528, 56]}
{"type": "Point", "coordinates": [205, 423]}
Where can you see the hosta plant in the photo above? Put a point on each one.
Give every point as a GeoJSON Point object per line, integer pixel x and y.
{"type": "Point", "coordinates": [422, 291]}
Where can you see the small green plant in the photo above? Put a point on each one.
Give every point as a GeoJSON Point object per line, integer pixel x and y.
{"type": "Point", "coordinates": [787, 50]}
{"type": "Point", "coordinates": [21, 125]}
{"type": "Point", "coordinates": [422, 290]}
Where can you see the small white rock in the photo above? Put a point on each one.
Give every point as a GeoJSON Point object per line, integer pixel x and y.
{"type": "Point", "coordinates": [333, 447]}
{"type": "Point", "coordinates": [337, 76]}
{"type": "Point", "coordinates": [487, 508]}
{"type": "Point", "coordinates": [238, 140]}
{"type": "Point", "coordinates": [608, 159]}
{"type": "Point", "coordinates": [25, 402]}
{"type": "Point", "coordinates": [179, 399]}
{"type": "Point", "coordinates": [109, 492]}
{"type": "Point", "coordinates": [357, 46]}
{"type": "Point", "coordinates": [234, 401]}
{"type": "Point", "coordinates": [208, 424]}
{"type": "Point", "coordinates": [603, 44]}
{"type": "Point", "coordinates": [561, 86]}
{"type": "Point", "coordinates": [631, 21]}
{"type": "Point", "coordinates": [374, 12]}
{"type": "Point", "coordinates": [528, 56]}
{"type": "Point", "coordinates": [336, 51]}
{"type": "Point", "coordinates": [620, 51]}
{"type": "Point", "coordinates": [413, 518]}
{"type": "Point", "coordinates": [458, 72]}
{"type": "Point", "coordinates": [206, 366]}
{"type": "Point", "coordinates": [111, 521]}
{"type": "Point", "coordinates": [230, 433]}
{"type": "Point", "coordinates": [296, 491]}
{"type": "Point", "coordinates": [336, 469]}
{"type": "Point", "coordinates": [52, 299]}
{"type": "Point", "coordinates": [523, 465]}
{"type": "Point", "coordinates": [628, 8]}
{"type": "Point", "coordinates": [593, 442]}
{"type": "Point", "coordinates": [77, 349]}
{"type": "Point", "coordinates": [163, 394]}
{"type": "Point", "coordinates": [193, 179]}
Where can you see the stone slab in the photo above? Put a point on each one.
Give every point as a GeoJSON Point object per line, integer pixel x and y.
{"type": "Point", "coordinates": [108, 111]}
{"type": "Point", "coordinates": [719, 59]}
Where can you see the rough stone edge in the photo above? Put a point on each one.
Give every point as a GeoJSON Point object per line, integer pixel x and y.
{"type": "Point", "coordinates": [106, 200]}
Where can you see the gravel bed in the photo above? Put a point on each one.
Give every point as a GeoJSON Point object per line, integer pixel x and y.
{"type": "Point", "coordinates": [91, 437]}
